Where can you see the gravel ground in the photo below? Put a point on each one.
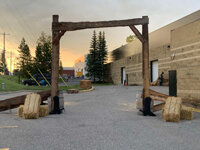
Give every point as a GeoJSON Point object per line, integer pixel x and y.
{"type": "Point", "coordinates": [104, 119]}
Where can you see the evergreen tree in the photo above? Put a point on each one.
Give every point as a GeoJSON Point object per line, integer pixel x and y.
{"type": "Point", "coordinates": [2, 66]}
{"type": "Point", "coordinates": [43, 53]}
{"type": "Point", "coordinates": [103, 55]}
{"type": "Point", "coordinates": [61, 68]}
{"type": "Point", "coordinates": [91, 64]}
{"type": "Point", "coordinates": [25, 59]}
{"type": "Point", "coordinates": [97, 57]}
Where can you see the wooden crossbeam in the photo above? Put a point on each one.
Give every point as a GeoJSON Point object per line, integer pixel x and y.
{"type": "Point", "coordinates": [14, 102]}
{"type": "Point", "coordinates": [158, 107]}
{"type": "Point", "coordinates": [137, 33]}
{"type": "Point", "coordinates": [155, 93]}
{"type": "Point", "coordinates": [71, 26]}
{"type": "Point", "coordinates": [157, 98]}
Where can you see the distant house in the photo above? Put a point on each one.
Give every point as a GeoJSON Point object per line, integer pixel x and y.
{"type": "Point", "coordinates": [68, 71]}
{"type": "Point", "coordinates": [79, 66]}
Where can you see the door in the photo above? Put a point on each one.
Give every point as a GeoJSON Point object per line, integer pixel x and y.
{"type": "Point", "coordinates": [123, 75]}
{"type": "Point", "coordinates": [154, 70]}
{"type": "Point", "coordinates": [172, 83]}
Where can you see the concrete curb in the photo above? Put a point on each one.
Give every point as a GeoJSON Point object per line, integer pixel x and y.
{"type": "Point", "coordinates": [89, 90]}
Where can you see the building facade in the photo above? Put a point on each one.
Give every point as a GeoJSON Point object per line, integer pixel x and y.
{"type": "Point", "coordinates": [68, 71]}
{"type": "Point", "coordinates": [173, 48]}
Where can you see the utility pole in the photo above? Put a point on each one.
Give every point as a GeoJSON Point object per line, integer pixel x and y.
{"type": "Point", "coordinates": [10, 62]}
{"type": "Point", "coordinates": [4, 52]}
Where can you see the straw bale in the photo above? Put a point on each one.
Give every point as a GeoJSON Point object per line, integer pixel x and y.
{"type": "Point", "coordinates": [85, 84]}
{"type": "Point", "coordinates": [44, 110]}
{"type": "Point", "coordinates": [172, 109]}
{"type": "Point", "coordinates": [20, 111]}
{"type": "Point", "coordinates": [31, 106]}
{"type": "Point", "coordinates": [139, 104]}
{"type": "Point", "coordinates": [186, 113]}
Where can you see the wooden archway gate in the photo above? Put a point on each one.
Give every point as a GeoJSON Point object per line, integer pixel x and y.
{"type": "Point", "coordinates": [59, 29]}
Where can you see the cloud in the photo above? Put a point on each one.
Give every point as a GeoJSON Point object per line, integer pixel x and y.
{"type": "Point", "coordinates": [28, 18]}
{"type": "Point", "coordinates": [68, 58]}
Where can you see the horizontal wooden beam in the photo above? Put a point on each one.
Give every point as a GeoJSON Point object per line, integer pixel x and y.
{"type": "Point", "coordinates": [158, 107]}
{"type": "Point", "coordinates": [71, 26]}
{"type": "Point", "coordinates": [14, 102]}
{"type": "Point", "coordinates": [155, 93]}
{"type": "Point", "coordinates": [157, 98]}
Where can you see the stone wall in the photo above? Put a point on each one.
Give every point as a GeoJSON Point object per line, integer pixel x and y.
{"type": "Point", "coordinates": [133, 66]}
{"type": "Point", "coordinates": [185, 42]}
{"type": "Point", "coordinates": [181, 54]}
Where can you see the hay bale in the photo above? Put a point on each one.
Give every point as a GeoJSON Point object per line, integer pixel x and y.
{"type": "Point", "coordinates": [139, 104]}
{"type": "Point", "coordinates": [172, 109]}
{"type": "Point", "coordinates": [186, 113]}
{"type": "Point", "coordinates": [44, 110]}
{"type": "Point", "coordinates": [31, 106]}
{"type": "Point", "coordinates": [85, 84]}
{"type": "Point", "coordinates": [20, 111]}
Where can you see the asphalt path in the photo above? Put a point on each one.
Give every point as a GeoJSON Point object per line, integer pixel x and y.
{"type": "Point", "coordinates": [104, 119]}
{"type": "Point", "coordinates": [71, 82]}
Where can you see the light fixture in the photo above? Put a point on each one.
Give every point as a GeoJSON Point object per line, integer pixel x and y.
{"type": "Point", "coordinates": [173, 56]}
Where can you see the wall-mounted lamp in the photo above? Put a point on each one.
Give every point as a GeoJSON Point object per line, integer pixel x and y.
{"type": "Point", "coordinates": [173, 56]}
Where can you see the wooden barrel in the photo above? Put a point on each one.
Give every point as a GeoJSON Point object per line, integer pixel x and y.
{"type": "Point", "coordinates": [85, 84]}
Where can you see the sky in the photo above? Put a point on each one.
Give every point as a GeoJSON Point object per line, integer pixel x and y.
{"type": "Point", "coordinates": [28, 18]}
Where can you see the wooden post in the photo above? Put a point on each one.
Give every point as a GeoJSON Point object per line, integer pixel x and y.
{"type": "Point", "coordinates": [55, 62]}
{"type": "Point", "coordinates": [145, 60]}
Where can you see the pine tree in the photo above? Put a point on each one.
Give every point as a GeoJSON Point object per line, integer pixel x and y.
{"type": "Point", "coordinates": [2, 66]}
{"type": "Point", "coordinates": [102, 53]}
{"type": "Point", "coordinates": [97, 57]}
{"type": "Point", "coordinates": [43, 53]}
{"type": "Point", "coordinates": [60, 68]}
{"type": "Point", "coordinates": [25, 59]}
{"type": "Point", "coordinates": [91, 64]}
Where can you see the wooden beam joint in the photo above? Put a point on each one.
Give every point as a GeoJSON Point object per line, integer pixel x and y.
{"type": "Point", "coordinates": [58, 36]}
{"type": "Point", "coordinates": [137, 33]}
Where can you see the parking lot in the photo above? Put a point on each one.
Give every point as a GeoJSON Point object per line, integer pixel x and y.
{"type": "Point", "coordinates": [104, 119]}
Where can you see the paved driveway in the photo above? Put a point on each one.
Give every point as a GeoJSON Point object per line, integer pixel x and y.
{"type": "Point", "coordinates": [71, 82]}
{"type": "Point", "coordinates": [104, 119]}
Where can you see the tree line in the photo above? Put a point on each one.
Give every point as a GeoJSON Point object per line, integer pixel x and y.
{"type": "Point", "coordinates": [41, 60]}
{"type": "Point", "coordinates": [97, 57]}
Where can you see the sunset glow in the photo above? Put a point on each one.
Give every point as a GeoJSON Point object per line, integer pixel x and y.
{"type": "Point", "coordinates": [26, 18]}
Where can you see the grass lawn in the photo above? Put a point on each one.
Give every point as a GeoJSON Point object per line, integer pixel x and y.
{"type": "Point", "coordinates": [11, 84]}
{"type": "Point", "coordinates": [101, 84]}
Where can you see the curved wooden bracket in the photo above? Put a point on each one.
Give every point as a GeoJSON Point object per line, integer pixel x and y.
{"type": "Point", "coordinates": [137, 33]}
{"type": "Point", "coordinates": [58, 36]}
